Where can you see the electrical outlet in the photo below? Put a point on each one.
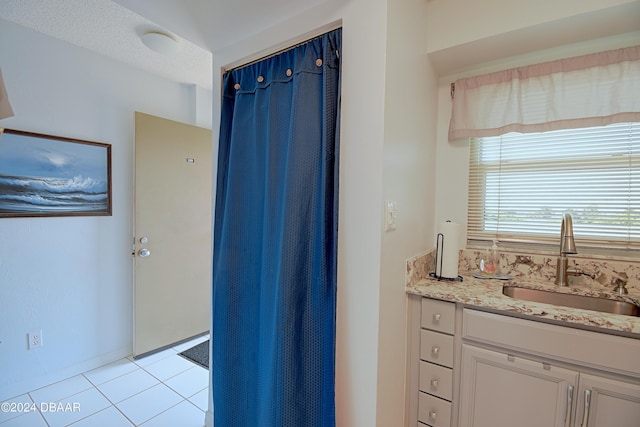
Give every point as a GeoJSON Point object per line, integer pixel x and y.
{"type": "Point", "coordinates": [35, 339]}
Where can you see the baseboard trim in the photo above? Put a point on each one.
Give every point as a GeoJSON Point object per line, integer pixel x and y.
{"type": "Point", "coordinates": [208, 419]}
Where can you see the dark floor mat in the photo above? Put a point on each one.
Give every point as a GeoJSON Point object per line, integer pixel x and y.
{"type": "Point", "coordinates": [198, 354]}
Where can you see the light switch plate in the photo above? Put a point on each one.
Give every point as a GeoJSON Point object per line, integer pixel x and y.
{"type": "Point", "coordinates": [390, 215]}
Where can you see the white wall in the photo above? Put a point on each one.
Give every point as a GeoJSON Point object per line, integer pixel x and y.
{"type": "Point", "coordinates": [72, 277]}
{"type": "Point", "coordinates": [408, 179]}
{"type": "Point", "coordinates": [456, 22]}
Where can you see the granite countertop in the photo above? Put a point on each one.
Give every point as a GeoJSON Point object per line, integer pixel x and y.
{"type": "Point", "coordinates": [487, 294]}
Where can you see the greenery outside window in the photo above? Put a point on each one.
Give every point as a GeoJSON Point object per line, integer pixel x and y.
{"type": "Point", "coordinates": [520, 184]}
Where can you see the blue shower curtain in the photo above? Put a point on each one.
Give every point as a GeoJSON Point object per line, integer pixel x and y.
{"type": "Point", "coordinates": [275, 235]}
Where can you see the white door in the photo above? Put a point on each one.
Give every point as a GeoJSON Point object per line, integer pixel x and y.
{"type": "Point", "coordinates": [498, 390]}
{"type": "Point", "coordinates": [172, 248]}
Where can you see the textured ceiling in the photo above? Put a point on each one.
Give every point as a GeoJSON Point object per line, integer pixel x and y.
{"type": "Point", "coordinates": [110, 29]}
{"type": "Point", "coordinates": [113, 28]}
{"type": "Point", "coordinates": [214, 24]}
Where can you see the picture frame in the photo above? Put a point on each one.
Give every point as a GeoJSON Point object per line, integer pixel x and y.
{"type": "Point", "coordinates": [44, 175]}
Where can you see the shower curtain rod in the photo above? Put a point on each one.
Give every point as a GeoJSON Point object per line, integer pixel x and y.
{"type": "Point", "coordinates": [291, 44]}
{"type": "Point", "coordinates": [271, 55]}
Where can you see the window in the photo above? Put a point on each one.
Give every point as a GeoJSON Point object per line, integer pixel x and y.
{"type": "Point", "coordinates": [521, 184]}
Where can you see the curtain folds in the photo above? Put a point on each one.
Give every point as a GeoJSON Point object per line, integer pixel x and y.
{"type": "Point", "coordinates": [590, 90]}
{"type": "Point", "coordinates": [275, 240]}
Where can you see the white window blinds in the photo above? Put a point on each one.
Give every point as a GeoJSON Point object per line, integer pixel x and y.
{"type": "Point", "coordinates": [521, 184]}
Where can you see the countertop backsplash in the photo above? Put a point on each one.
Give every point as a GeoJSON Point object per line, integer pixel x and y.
{"type": "Point", "coordinates": [420, 266]}
{"type": "Point", "coordinates": [539, 268]}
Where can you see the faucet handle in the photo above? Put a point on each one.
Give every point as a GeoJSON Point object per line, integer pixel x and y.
{"type": "Point", "coordinates": [575, 271]}
{"type": "Point", "coordinates": [620, 288]}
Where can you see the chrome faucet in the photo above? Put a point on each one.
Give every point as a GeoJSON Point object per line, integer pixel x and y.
{"type": "Point", "coordinates": [567, 246]}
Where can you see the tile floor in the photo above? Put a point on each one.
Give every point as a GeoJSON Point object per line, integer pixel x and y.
{"type": "Point", "coordinates": [161, 390]}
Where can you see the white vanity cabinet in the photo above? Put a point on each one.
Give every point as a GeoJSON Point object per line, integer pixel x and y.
{"type": "Point", "coordinates": [516, 372]}
{"type": "Point", "coordinates": [436, 362]}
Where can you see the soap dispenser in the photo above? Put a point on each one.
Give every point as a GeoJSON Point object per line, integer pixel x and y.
{"type": "Point", "coordinates": [490, 263]}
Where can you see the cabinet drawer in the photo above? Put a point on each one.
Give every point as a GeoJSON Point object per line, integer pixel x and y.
{"type": "Point", "coordinates": [433, 411]}
{"type": "Point", "coordinates": [436, 348]}
{"type": "Point", "coordinates": [438, 315]}
{"type": "Point", "coordinates": [595, 349]}
{"type": "Point", "coordinates": [436, 380]}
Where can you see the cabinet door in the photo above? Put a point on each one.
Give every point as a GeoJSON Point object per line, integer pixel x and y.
{"type": "Point", "coordinates": [499, 390]}
{"type": "Point", "coordinates": [604, 402]}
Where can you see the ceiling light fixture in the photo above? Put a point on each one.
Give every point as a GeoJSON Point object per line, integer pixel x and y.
{"type": "Point", "coordinates": [160, 42]}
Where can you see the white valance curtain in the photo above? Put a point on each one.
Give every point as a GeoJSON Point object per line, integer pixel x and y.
{"type": "Point", "coordinates": [590, 90]}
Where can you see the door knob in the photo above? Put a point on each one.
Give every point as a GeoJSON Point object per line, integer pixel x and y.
{"type": "Point", "coordinates": [142, 253]}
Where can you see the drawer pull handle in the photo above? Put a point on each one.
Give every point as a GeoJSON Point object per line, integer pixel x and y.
{"type": "Point", "coordinates": [567, 416]}
{"type": "Point", "coordinates": [587, 405]}
{"type": "Point", "coordinates": [435, 350]}
{"type": "Point", "coordinates": [436, 318]}
{"type": "Point", "coordinates": [434, 383]}
{"type": "Point", "coordinates": [432, 414]}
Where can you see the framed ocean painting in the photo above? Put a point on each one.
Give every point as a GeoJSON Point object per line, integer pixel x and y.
{"type": "Point", "coordinates": [44, 175]}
